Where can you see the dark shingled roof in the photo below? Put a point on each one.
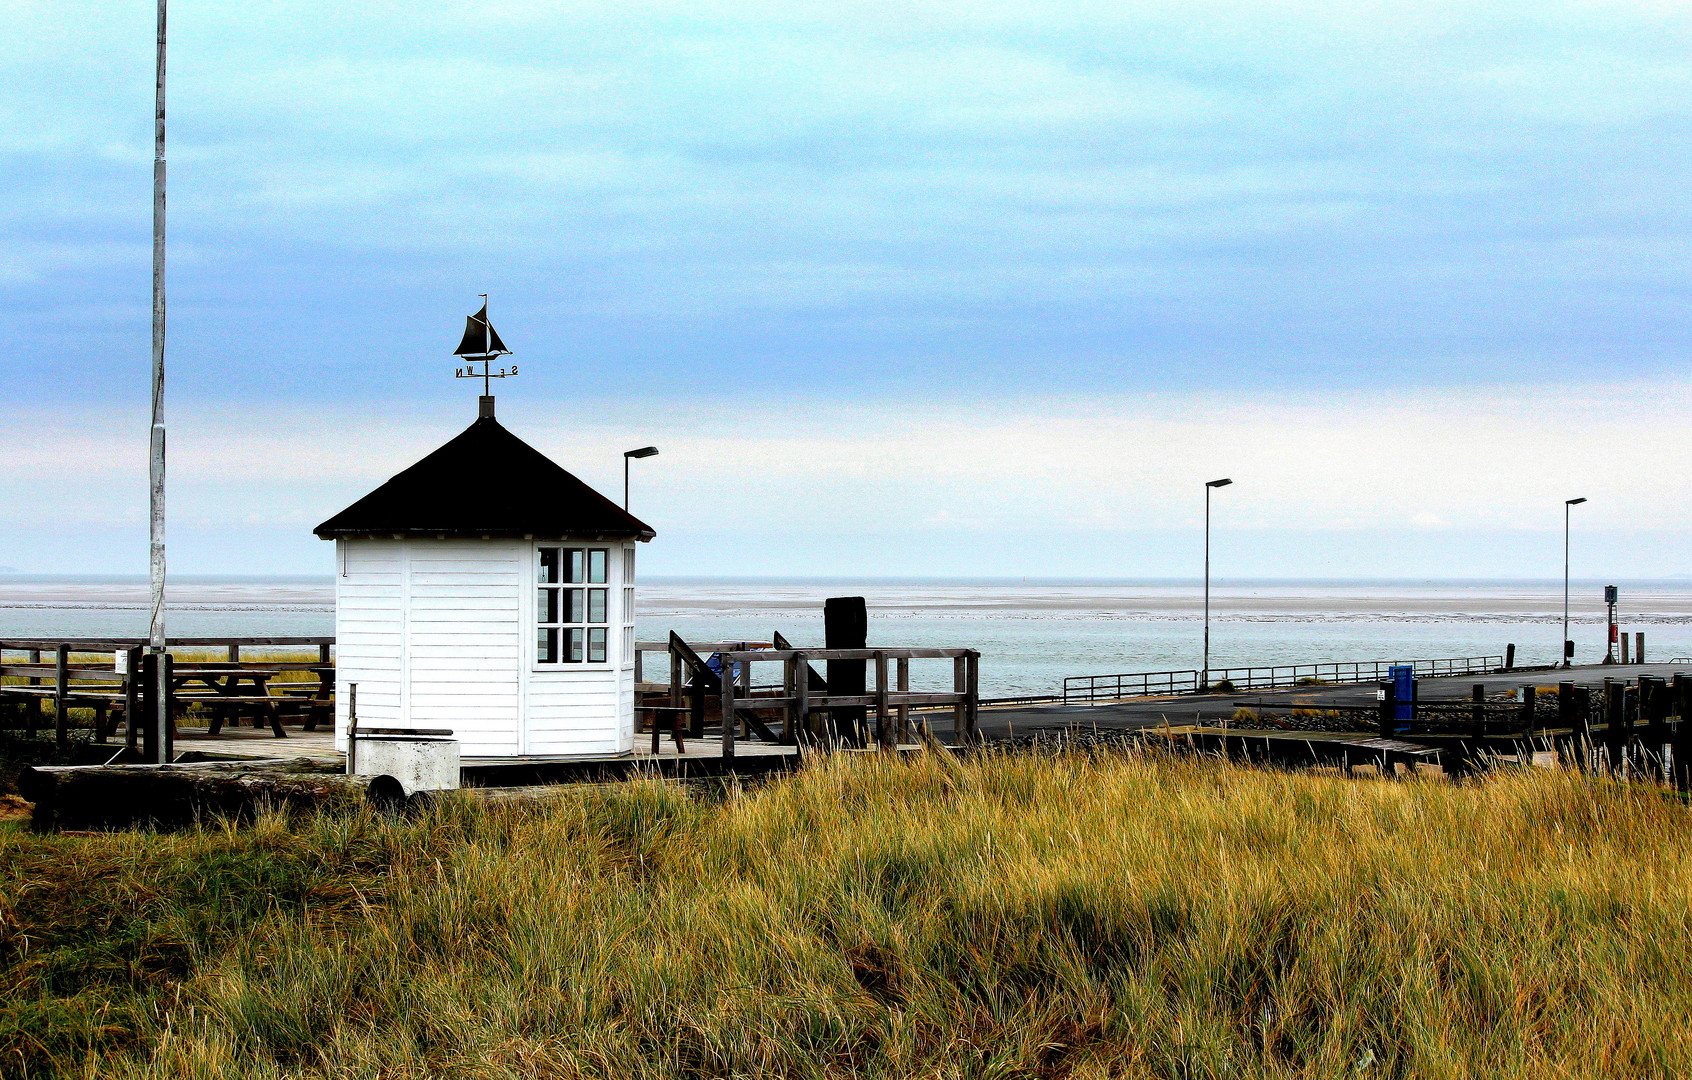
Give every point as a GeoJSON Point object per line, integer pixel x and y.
{"type": "Point", "coordinates": [486, 482]}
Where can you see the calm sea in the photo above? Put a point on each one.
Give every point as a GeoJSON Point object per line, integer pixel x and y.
{"type": "Point", "coordinates": [1031, 633]}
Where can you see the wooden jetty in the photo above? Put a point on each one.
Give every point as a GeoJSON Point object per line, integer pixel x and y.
{"type": "Point", "coordinates": [104, 677]}
{"type": "Point", "coordinates": [229, 713]}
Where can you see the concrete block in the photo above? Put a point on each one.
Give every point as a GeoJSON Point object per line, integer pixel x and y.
{"type": "Point", "coordinates": [419, 764]}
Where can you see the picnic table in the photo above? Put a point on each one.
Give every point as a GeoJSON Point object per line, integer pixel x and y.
{"type": "Point", "coordinates": [229, 689]}
{"type": "Point", "coordinates": [52, 672]}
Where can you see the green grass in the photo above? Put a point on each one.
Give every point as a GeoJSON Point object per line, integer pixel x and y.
{"type": "Point", "coordinates": [1013, 916]}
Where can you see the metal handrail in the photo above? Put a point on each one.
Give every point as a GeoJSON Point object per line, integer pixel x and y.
{"type": "Point", "coordinates": [1090, 688]}
{"type": "Point", "coordinates": [1086, 689]}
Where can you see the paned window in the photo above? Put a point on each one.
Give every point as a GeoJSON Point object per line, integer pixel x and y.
{"type": "Point", "coordinates": [571, 605]}
{"type": "Point", "coordinates": [628, 606]}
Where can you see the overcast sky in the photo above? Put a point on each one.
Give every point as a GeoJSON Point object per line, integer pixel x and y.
{"type": "Point", "coordinates": [898, 288]}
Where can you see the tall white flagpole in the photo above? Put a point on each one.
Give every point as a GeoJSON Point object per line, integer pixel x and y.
{"type": "Point", "coordinates": [156, 457]}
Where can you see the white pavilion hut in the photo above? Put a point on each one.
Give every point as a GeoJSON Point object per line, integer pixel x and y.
{"type": "Point", "coordinates": [487, 590]}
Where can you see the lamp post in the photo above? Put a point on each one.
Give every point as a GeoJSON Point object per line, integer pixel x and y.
{"type": "Point", "coordinates": [645, 451]}
{"type": "Point", "coordinates": [1204, 680]}
{"type": "Point", "coordinates": [156, 434]}
{"type": "Point", "coordinates": [1568, 646]}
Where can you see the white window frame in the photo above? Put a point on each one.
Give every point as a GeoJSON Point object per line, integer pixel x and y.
{"type": "Point", "coordinates": [626, 582]}
{"type": "Point", "coordinates": [562, 588]}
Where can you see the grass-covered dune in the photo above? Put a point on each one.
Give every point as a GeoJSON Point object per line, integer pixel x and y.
{"type": "Point", "coordinates": [1008, 916]}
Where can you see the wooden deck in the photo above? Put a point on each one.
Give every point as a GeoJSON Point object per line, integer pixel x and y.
{"type": "Point", "coordinates": [320, 746]}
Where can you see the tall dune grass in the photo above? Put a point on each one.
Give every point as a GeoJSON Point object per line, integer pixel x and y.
{"type": "Point", "coordinates": [1011, 916]}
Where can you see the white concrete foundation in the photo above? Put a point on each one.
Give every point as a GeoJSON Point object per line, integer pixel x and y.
{"type": "Point", "coordinates": [419, 764]}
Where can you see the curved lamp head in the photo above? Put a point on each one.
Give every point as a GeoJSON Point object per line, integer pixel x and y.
{"type": "Point", "coordinates": [1573, 502]}
{"type": "Point", "coordinates": [645, 451]}
{"type": "Point", "coordinates": [1217, 483]}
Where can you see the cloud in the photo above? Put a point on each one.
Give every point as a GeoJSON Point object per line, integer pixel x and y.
{"type": "Point", "coordinates": [811, 487]}
{"type": "Point", "coordinates": [1050, 197]}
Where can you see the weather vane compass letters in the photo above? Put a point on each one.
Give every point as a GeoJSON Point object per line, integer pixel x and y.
{"type": "Point", "coordinates": [481, 345]}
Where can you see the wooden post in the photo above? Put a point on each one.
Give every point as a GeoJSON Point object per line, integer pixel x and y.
{"type": "Point", "coordinates": [1510, 657]}
{"type": "Point", "coordinates": [846, 626]}
{"type": "Point", "coordinates": [1624, 658]}
{"type": "Point", "coordinates": [802, 701]}
{"type": "Point", "coordinates": [1388, 708]}
{"type": "Point", "coordinates": [1614, 741]}
{"type": "Point", "coordinates": [1588, 740]}
{"type": "Point", "coordinates": [146, 716]}
{"type": "Point", "coordinates": [61, 698]}
{"type": "Point", "coordinates": [1681, 751]}
{"type": "Point", "coordinates": [322, 707]}
{"type": "Point", "coordinates": [1654, 710]}
{"type": "Point", "coordinates": [960, 680]}
{"type": "Point", "coordinates": [973, 689]}
{"type": "Point", "coordinates": [234, 653]}
{"type": "Point", "coordinates": [884, 735]}
{"type": "Point", "coordinates": [1639, 647]}
{"type": "Point", "coordinates": [745, 691]}
{"type": "Point", "coordinates": [790, 712]}
{"type": "Point", "coordinates": [905, 710]}
{"type": "Point", "coordinates": [32, 704]}
{"type": "Point", "coordinates": [352, 729]}
{"type": "Point", "coordinates": [696, 707]}
{"type": "Point", "coordinates": [132, 698]}
{"type": "Point", "coordinates": [1568, 750]}
{"type": "Point", "coordinates": [1631, 726]}
{"type": "Point", "coordinates": [167, 710]}
{"type": "Point", "coordinates": [726, 681]}
{"type": "Point", "coordinates": [688, 671]}
{"type": "Point", "coordinates": [638, 678]}
{"type": "Point", "coordinates": [675, 677]}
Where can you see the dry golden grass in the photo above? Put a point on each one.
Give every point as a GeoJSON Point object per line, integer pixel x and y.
{"type": "Point", "coordinates": [1009, 916]}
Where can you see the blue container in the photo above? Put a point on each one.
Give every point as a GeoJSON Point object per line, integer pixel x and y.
{"type": "Point", "coordinates": [715, 663]}
{"type": "Point", "coordinates": [1403, 678]}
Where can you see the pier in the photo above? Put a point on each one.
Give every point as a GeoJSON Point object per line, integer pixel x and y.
{"type": "Point", "coordinates": [1634, 720]}
{"type": "Point", "coordinates": [268, 701]}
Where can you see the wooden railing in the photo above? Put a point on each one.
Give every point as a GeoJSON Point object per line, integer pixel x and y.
{"type": "Point", "coordinates": [809, 712]}
{"type": "Point", "coordinates": [117, 687]}
{"type": "Point", "coordinates": [806, 715]}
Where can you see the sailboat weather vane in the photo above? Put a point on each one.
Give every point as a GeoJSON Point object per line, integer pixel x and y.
{"type": "Point", "coordinates": [481, 345]}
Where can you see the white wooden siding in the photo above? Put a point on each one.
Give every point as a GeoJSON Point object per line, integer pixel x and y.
{"type": "Point", "coordinates": [465, 641]}
{"type": "Point", "coordinates": [369, 632]}
{"type": "Point", "coordinates": [574, 713]}
{"type": "Point", "coordinates": [441, 633]}
{"type": "Point", "coordinates": [625, 708]}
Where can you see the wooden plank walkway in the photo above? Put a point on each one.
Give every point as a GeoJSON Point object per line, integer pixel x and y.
{"type": "Point", "coordinates": [320, 746]}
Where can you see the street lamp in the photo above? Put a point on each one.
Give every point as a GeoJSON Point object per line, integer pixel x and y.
{"type": "Point", "coordinates": [1568, 646]}
{"type": "Point", "coordinates": [1204, 681]}
{"type": "Point", "coordinates": [645, 451]}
